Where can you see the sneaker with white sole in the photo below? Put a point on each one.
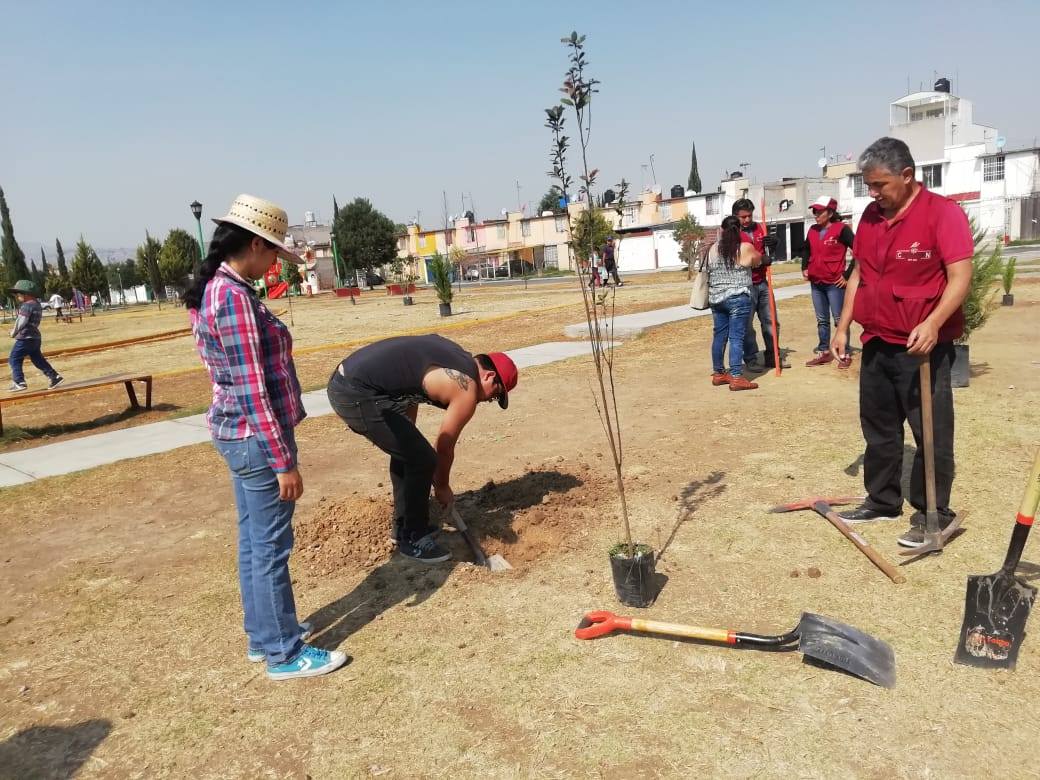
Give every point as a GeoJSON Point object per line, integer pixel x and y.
{"type": "Point", "coordinates": [864, 514]}
{"type": "Point", "coordinates": [256, 654]}
{"type": "Point", "coordinates": [311, 661]}
{"type": "Point", "coordinates": [17, 387]}
{"type": "Point", "coordinates": [424, 549]}
{"type": "Point", "coordinates": [55, 382]}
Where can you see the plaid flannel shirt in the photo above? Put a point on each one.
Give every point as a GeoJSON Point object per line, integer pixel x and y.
{"type": "Point", "coordinates": [248, 353]}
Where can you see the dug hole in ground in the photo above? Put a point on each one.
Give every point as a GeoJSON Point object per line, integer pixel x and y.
{"type": "Point", "coordinates": [120, 598]}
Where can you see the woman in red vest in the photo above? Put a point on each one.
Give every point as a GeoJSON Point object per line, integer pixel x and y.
{"type": "Point", "coordinates": [823, 264]}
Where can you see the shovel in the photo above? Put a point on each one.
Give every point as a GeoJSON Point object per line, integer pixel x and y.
{"type": "Point", "coordinates": [494, 563]}
{"type": "Point", "coordinates": [997, 606]}
{"type": "Point", "coordinates": [934, 537]}
{"type": "Point", "coordinates": [818, 637]}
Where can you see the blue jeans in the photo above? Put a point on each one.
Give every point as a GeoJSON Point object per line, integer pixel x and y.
{"type": "Point", "coordinates": [731, 317]}
{"type": "Point", "coordinates": [28, 348]}
{"type": "Point", "coordinates": [265, 539]}
{"type": "Point", "coordinates": [827, 300]}
{"type": "Point", "coordinates": [760, 306]}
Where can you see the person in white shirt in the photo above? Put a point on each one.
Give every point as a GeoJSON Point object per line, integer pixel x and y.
{"type": "Point", "coordinates": [57, 303]}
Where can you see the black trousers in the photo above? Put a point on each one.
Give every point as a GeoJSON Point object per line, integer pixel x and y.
{"type": "Point", "coordinates": [385, 423]}
{"type": "Point", "coordinates": [889, 394]}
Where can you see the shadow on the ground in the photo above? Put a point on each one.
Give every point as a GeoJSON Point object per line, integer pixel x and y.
{"type": "Point", "coordinates": [394, 582]}
{"type": "Point", "coordinates": [492, 509]}
{"type": "Point", "coordinates": [978, 369]}
{"type": "Point", "coordinates": [1029, 572]}
{"type": "Point", "coordinates": [59, 429]}
{"type": "Point", "coordinates": [51, 751]}
{"type": "Point", "coordinates": [909, 451]}
{"type": "Point", "coordinates": [691, 497]}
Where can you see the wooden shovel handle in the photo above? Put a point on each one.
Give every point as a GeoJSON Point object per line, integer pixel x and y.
{"type": "Point", "coordinates": [679, 629]}
{"type": "Point", "coordinates": [861, 544]}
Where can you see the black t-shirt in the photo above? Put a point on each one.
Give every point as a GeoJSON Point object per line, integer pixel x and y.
{"type": "Point", "coordinates": [395, 367]}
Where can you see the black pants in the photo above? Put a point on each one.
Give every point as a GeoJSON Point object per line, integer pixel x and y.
{"type": "Point", "coordinates": [385, 423]}
{"type": "Point", "coordinates": [612, 270]}
{"type": "Point", "coordinates": [889, 393]}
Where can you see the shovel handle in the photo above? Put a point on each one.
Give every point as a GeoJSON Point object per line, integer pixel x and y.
{"type": "Point", "coordinates": [601, 623]}
{"type": "Point", "coordinates": [928, 440]}
{"type": "Point", "coordinates": [861, 544]}
{"type": "Point", "coordinates": [1024, 519]}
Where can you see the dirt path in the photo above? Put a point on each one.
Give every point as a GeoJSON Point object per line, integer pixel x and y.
{"type": "Point", "coordinates": [121, 642]}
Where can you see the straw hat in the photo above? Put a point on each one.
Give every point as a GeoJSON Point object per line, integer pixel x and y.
{"type": "Point", "coordinates": [263, 218]}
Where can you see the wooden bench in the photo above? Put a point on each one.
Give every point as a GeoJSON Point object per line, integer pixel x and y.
{"type": "Point", "coordinates": [126, 380]}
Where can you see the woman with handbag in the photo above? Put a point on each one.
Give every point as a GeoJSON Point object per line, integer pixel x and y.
{"type": "Point", "coordinates": [728, 265]}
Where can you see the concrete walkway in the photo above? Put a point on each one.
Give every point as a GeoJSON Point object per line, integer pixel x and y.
{"type": "Point", "coordinates": [65, 457]}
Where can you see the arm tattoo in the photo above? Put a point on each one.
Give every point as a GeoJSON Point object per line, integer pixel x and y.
{"type": "Point", "coordinates": [459, 377]}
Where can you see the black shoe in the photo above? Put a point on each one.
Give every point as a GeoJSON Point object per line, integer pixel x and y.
{"type": "Point", "coordinates": [783, 364]}
{"type": "Point", "coordinates": [55, 382]}
{"type": "Point", "coordinates": [424, 548]}
{"type": "Point", "coordinates": [915, 536]}
{"type": "Point", "coordinates": [864, 514]}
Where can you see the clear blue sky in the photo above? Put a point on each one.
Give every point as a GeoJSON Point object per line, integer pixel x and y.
{"type": "Point", "coordinates": [118, 114]}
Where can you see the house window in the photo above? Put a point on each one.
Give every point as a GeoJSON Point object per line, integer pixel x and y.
{"type": "Point", "coordinates": [449, 237]}
{"type": "Point", "coordinates": [552, 259]}
{"type": "Point", "coordinates": [525, 228]}
{"type": "Point", "coordinates": [993, 168]}
{"type": "Point", "coordinates": [472, 235]}
{"type": "Point", "coordinates": [859, 189]}
{"type": "Point", "coordinates": [628, 215]}
{"type": "Point", "coordinates": [711, 204]}
{"type": "Point", "coordinates": [931, 176]}
{"type": "Point", "coordinates": [500, 231]}
{"type": "Point", "coordinates": [666, 212]}
{"type": "Point", "coordinates": [561, 224]}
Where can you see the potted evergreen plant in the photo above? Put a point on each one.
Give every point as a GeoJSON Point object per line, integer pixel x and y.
{"type": "Point", "coordinates": [440, 273]}
{"type": "Point", "coordinates": [986, 268]}
{"type": "Point", "coordinates": [1009, 278]}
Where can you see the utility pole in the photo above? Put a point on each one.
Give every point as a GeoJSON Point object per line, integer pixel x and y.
{"type": "Point", "coordinates": [652, 169]}
{"type": "Point", "coordinates": [518, 206]}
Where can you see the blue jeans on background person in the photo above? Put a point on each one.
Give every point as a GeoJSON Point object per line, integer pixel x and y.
{"type": "Point", "coordinates": [760, 306]}
{"type": "Point", "coordinates": [827, 300]}
{"type": "Point", "coordinates": [28, 348]}
{"type": "Point", "coordinates": [730, 317]}
{"type": "Point", "coordinates": [265, 539]}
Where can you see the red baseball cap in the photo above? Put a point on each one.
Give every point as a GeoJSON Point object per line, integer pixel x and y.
{"type": "Point", "coordinates": [824, 203]}
{"type": "Point", "coordinates": [507, 373]}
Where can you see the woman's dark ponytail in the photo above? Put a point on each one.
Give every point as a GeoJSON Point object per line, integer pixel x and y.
{"type": "Point", "coordinates": [729, 240]}
{"type": "Point", "coordinates": [228, 241]}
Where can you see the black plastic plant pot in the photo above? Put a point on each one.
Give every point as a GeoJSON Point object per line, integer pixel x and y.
{"type": "Point", "coordinates": [634, 580]}
{"type": "Point", "coordinates": [408, 300]}
{"type": "Point", "coordinates": [1008, 300]}
{"type": "Point", "coordinates": [445, 309]}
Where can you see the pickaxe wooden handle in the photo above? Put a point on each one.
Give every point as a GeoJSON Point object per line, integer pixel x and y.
{"type": "Point", "coordinates": [861, 544]}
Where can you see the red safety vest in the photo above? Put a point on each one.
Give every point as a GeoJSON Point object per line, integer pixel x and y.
{"type": "Point", "coordinates": [826, 254]}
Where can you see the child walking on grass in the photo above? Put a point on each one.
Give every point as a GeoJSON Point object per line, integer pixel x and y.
{"type": "Point", "coordinates": [27, 338]}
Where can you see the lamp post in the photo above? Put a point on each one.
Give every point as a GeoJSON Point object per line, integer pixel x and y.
{"type": "Point", "coordinates": [196, 210]}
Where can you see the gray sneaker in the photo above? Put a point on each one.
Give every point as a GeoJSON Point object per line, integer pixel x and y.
{"type": "Point", "coordinates": [17, 387]}
{"type": "Point", "coordinates": [424, 549]}
{"type": "Point", "coordinates": [915, 536]}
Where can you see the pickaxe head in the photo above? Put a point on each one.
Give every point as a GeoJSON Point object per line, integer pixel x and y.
{"type": "Point", "coordinates": [808, 503]}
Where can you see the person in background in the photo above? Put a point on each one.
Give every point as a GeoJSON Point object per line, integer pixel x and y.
{"type": "Point", "coordinates": [755, 233]}
{"type": "Point", "coordinates": [28, 341]}
{"type": "Point", "coordinates": [256, 406]}
{"type": "Point", "coordinates": [57, 303]}
{"type": "Point", "coordinates": [913, 272]}
{"type": "Point", "coordinates": [610, 261]}
{"type": "Point", "coordinates": [377, 391]}
{"type": "Point", "coordinates": [729, 263]}
{"type": "Point", "coordinates": [823, 264]}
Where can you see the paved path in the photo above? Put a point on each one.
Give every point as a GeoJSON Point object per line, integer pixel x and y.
{"type": "Point", "coordinates": [86, 452]}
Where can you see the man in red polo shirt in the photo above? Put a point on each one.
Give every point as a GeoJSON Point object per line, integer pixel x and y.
{"type": "Point", "coordinates": [912, 274]}
{"type": "Point", "coordinates": [755, 233]}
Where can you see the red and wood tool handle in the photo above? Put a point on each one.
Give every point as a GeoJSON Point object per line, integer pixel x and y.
{"type": "Point", "coordinates": [1024, 519]}
{"type": "Point", "coordinates": [861, 544]}
{"type": "Point", "coordinates": [601, 622]}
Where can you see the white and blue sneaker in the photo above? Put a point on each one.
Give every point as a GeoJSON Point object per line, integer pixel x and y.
{"type": "Point", "coordinates": [311, 661]}
{"type": "Point", "coordinates": [256, 654]}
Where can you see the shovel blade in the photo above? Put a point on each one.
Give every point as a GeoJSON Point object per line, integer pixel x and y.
{"type": "Point", "coordinates": [847, 648]}
{"type": "Point", "coordinates": [498, 563]}
{"type": "Point", "coordinates": [996, 608]}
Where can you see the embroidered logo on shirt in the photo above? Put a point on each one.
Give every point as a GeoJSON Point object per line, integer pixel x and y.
{"type": "Point", "coordinates": [914, 253]}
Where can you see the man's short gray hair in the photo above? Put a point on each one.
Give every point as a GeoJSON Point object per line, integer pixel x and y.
{"type": "Point", "coordinates": [890, 154]}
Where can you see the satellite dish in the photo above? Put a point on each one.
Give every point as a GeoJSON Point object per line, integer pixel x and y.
{"type": "Point", "coordinates": [505, 212]}
{"type": "Point", "coordinates": [1001, 142]}
{"type": "Point", "coordinates": [821, 163]}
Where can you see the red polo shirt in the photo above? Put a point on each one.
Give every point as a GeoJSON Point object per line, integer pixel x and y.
{"type": "Point", "coordinates": [902, 266]}
{"type": "Point", "coordinates": [754, 237]}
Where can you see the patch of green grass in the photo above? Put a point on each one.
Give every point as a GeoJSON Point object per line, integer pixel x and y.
{"type": "Point", "coordinates": [13, 433]}
{"type": "Point", "coordinates": [1025, 242]}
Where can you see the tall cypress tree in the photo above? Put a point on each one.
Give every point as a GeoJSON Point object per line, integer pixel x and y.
{"type": "Point", "coordinates": [12, 255]}
{"type": "Point", "coordinates": [63, 270]}
{"type": "Point", "coordinates": [44, 268]}
{"type": "Point", "coordinates": [695, 177]}
{"type": "Point", "coordinates": [37, 277]}
{"type": "Point", "coordinates": [335, 210]}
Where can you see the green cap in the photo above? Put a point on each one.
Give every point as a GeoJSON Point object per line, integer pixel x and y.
{"type": "Point", "coordinates": [23, 286]}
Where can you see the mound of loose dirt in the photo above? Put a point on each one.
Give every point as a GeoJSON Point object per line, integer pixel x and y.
{"type": "Point", "coordinates": [523, 518]}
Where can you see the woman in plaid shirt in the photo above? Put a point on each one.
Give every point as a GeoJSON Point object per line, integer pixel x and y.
{"type": "Point", "coordinates": [256, 406]}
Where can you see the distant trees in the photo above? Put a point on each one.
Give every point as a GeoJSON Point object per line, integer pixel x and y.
{"type": "Point", "coordinates": [694, 182]}
{"type": "Point", "coordinates": [177, 258]}
{"type": "Point", "coordinates": [550, 200]}
{"type": "Point", "coordinates": [147, 265]}
{"type": "Point", "coordinates": [88, 272]}
{"type": "Point", "coordinates": [366, 238]}
{"type": "Point", "coordinates": [10, 253]}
